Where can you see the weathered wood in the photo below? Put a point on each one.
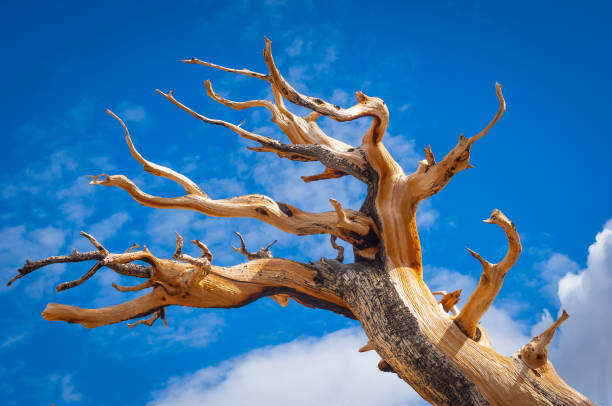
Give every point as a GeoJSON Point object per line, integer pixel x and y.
{"type": "Point", "coordinates": [447, 359]}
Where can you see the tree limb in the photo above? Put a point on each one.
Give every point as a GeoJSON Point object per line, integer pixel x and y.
{"type": "Point", "coordinates": [280, 215]}
{"type": "Point", "coordinates": [194, 282]}
{"type": "Point", "coordinates": [535, 353]}
{"type": "Point", "coordinates": [491, 279]}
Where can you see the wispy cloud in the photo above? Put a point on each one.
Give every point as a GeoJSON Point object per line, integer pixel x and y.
{"type": "Point", "coordinates": [18, 244]}
{"type": "Point", "coordinates": [67, 390]}
{"type": "Point", "coordinates": [131, 112]}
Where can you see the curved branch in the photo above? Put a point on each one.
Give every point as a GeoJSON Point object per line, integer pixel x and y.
{"type": "Point", "coordinates": [491, 280]}
{"type": "Point", "coordinates": [155, 169]}
{"type": "Point", "coordinates": [500, 112]}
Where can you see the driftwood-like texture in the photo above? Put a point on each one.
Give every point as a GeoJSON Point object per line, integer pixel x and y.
{"type": "Point", "coordinates": [441, 351]}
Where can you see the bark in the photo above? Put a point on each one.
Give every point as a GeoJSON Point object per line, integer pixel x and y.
{"type": "Point", "coordinates": [447, 358]}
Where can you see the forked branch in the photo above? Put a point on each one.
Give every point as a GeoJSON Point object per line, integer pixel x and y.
{"type": "Point", "coordinates": [491, 279]}
{"type": "Point", "coordinates": [305, 130]}
{"type": "Point", "coordinates": [432, 176]}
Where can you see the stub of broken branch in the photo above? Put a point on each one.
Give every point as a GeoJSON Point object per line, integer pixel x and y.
{"type": "Point", "coordinates": [261, 253]}
{"type": "Point", "coordinates": [535, 353]}
{"type": "Point", "coordinates": [348, 224]}
{"type": "Point", "coordinates": [491, 279]}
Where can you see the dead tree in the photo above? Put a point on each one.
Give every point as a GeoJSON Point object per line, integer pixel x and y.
{"type": "Point", "coordinates": [447, 358]}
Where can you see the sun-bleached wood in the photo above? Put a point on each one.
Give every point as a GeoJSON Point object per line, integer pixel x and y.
{"type": "Point", "coordinates": [491, 279]}
{"type": "Point", "coordinates": [446, 358]}
{"type": "Point", "coordinates": [535, 353]}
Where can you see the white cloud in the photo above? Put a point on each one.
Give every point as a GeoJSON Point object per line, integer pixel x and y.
{"type": "Point", "coordinates": [544, 321]}
{"type": "Point", "coordinates": [426, 216]}
{"type": "Point", "coordinates": [107, 228]}
{"type": "Point", "coordinates": [444, 279]}
{"type": "Point", "coordinates": [10, 340]}
{"type": "Point", "coordinates": [506, 334]}
{"type": "Point", "coordinates": [553, 268]}
{"type": "Point", "coordinates": [405, 107]}
{"type": "Point", "coordinates": [339, 97]}
{"type": "Point", "coordinates": [296, 47]}
{"type": "Point", "coordinates": [403, 151]}
{"type": "Point", "coordinates": [131, 112]}
{"type": "Point", "coordinates": [68, 392]}
{"type": "Point", "coordinates": [581, 354]}
{"type": "Point", "coordinates": [18, 244]}
{"type": "Point", "coordinates": [325, 371]}
{"type": "Point", "coordinates": [195, 332]}
{"type": "Point", "coordinates": [330, 57]}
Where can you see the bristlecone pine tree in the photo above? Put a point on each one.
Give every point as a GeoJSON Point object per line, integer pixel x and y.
{"type": "Point", "coordinates": [447, 358]}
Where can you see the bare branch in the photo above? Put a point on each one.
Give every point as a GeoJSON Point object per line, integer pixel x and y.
{"type": "Point", "coordinates": [327, 174]}
{"type": "Point", "coordinates": [92, 318]}
{"type": "Point", "coordinates": [149, 322]}
{"type": "Point", "coordinates": [146, 284]}
{"type": "Point", "coordinates": [245, 72]}
{"type": "Point", "coordinates": [281, 215]}
{"type": "Point", "coordinates": [367, 347]}
{"type": "Point", "coordinates": [77, 282]}
{"type": "Point", "coordinates": [261, 253]}
{"type": "Point", "coordinates": [449, 300]}
{"type": "Point", "coordinates": [337, 247]}
{"type": "Point", "coordinates": [432, 178]}
{"type": "Point", "coordinates": [241, 105]}
{"type": "Point", "coordinates": [155, 169]}
{"type": "Point", "coordinates": [366, 106]}
{"type": "Point", "coordinates": [491, 280]}
{"type": "Point", "coordinates": [202, 263]}
{"type": "Point", "coordinates": [180, 283]}
{"type": "Point", "coordinates": [281, 299]}
{"type": "Point", "coordinates": [535, 353]}
{"type": "Point", "coordinates": [310, 143]}
{"type": "Point", "coordinates": [345, 222]}
{"type": "Point", "coordinates": [453, 306]}
{"type": "Point", "coordinates": [500, 112]}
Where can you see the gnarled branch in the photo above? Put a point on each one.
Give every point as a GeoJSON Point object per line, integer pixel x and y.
{"type": "Point", "coordinates": [535, 353]}
{"type": "Point", "coordinates": [491, 279]}
{"type": "Point", "coordinates": [433, 176]}
{"type": "Point", "coordinates": [261, 253]}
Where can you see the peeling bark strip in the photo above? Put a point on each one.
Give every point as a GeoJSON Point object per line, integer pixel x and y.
{"type": "Point", "coordinates": [447, 359]}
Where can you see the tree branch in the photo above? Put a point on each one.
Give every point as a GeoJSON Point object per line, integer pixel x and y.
{"type": "Point", "coordinates": [491, 279]}
{"type": "Point", "coordinates": [310, 143]}
{"type": "Point", "coordinates": [261, 253]}
{"type": "Point", "coordinates": [535, 353]}
{"type": "Point", "coordinates": [263, 208]}
{"type": "Point", "coordinates": [433, 177]}
{"type": "Point", "coordinates": [194, 282]}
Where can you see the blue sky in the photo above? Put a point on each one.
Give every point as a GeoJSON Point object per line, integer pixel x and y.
{"type": "Point", "coordinates": [546, 164]}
